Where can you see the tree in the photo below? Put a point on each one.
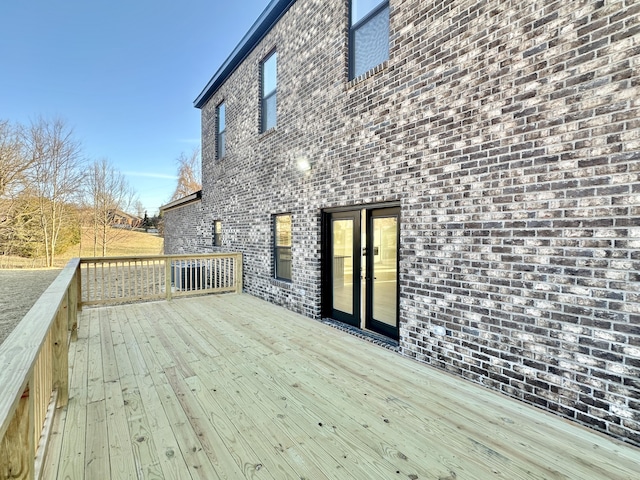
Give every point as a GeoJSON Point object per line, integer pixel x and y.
{"type": "Point", "coordinates": [54, 178]}
{"type": "Point", "coordinates": [15, 214]}
{"type": "Point", "coordinates": [189, 174]}
{"type": "Point", "coordinates": [139, 208]}
{"type": "Point", "coordinates": [109, 195]}
{"type": "Point", "coordinates": [13, 162]}
{"type": "Point", "coordinates": [19, 229]}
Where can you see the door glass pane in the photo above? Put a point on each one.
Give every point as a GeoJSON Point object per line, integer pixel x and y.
{"type": "Point", "coordinates": [385, 275]}
{"type": "Point", "coordinates": [342, 268]}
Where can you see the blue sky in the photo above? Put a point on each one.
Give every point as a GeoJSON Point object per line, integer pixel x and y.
{"type": "Point", "coordinates": [122, 73]}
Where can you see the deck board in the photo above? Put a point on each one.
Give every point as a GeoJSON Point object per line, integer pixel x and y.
{"type": "Point", "coordinates": [230, 387]}
{"type": "Point", "coordinates": [157, 453]}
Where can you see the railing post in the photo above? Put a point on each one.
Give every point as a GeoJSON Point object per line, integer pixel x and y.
{"type": "Point", "coordinates": [61, 353]}
{"type": "Point", "coordinates": [17, 448]}
{"type": "Point", "coordinates": [239, 273]}
{"type": "Point", "coordinates": [167, 278]}
{"type": "Point", "coordinates": [72, 302]}
{"type": "Point", "coordinates": [79, 285]}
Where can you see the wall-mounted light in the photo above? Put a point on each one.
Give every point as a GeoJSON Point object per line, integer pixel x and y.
{"type": "Point", "coordinates": [303, 164]}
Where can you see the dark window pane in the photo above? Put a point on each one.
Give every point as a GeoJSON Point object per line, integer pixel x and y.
{"type": "Point", "coordinates": [371, 43]}
{"type": "Point", "coordinates": [283, 263]}
{"type": "Point", "coordinates": [269, 112]}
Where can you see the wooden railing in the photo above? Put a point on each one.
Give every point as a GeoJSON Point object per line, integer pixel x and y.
{"type": "Point", "coordinates": [34, 375]}
{"type": "Point", "coordinates": [128, 279]}
{"type": "Point", "coordinates": [34, 357]}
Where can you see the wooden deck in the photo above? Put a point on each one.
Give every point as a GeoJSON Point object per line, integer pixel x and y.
{"type": "Point", "coordinates": [232, 387]}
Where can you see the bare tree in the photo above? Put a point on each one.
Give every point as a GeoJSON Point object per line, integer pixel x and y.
{"type": "Point", "coordinates": [139, 208]}
{"type": "Point", "coordinates": [109, 196]}
{"type": "Point", "coordinates": [13, 162]}
{"type": "Point", "coordinates": [189, 174]}
{"type": "Point", "coordinates": [55, 176]}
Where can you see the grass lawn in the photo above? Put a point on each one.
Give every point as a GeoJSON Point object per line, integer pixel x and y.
{"type": "Point", "coordinates": [19, 289]}
{"type": "Point", "coordinates": [120, 243]}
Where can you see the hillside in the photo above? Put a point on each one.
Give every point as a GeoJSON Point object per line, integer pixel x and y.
{"type": "Point", "coordinates": [121, 242]}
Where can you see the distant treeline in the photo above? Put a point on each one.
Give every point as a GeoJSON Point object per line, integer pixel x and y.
{"type": "Point", "coordinates": [49, 190]}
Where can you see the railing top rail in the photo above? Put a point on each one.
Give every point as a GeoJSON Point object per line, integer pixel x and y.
{"type": "Point", "coordinates": [85, 260]}
{"type": "Point", "coordinates": [19, 351]}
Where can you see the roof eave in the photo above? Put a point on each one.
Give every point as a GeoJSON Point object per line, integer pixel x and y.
{"type": "Point", "coordinates": [262, 26]}
{"type": "Point", "coordinates": [181, 202]}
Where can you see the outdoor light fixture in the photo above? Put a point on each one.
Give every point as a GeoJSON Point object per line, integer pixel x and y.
{"type": "Point", "coordinates": [303, 164]}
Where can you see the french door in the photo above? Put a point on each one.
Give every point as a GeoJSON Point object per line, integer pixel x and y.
{"type": "Point", "coordinates": [381, 271]}
{"type": "Point", "coordinates": [345, 266]}
{"type": "Point", "coordinates": [361, 276]}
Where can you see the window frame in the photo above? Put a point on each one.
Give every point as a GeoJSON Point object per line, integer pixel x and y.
{"type": "Point", "coordinates": [217, 233]}
{"type": "Point", "coordinates": [280, 248]}
{"type": "Point", "coordinates": [359, 24]}
{"type": "Point", "coordinates": [221, 135]}
{"type": "Point", "coordinates": [264, 98]}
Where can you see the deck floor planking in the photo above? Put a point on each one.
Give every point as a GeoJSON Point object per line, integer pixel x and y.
{"type": "Point", "coordinates": [229, 387]}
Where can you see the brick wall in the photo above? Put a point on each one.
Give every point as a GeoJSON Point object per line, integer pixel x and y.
{"type": "Point", "coordinates": [509, 131]}
{"type": "Point", "coordinates": [185, 229]}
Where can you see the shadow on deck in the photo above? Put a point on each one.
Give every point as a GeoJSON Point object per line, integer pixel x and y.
{"type": "Point", "coordinates": [229, 386]}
